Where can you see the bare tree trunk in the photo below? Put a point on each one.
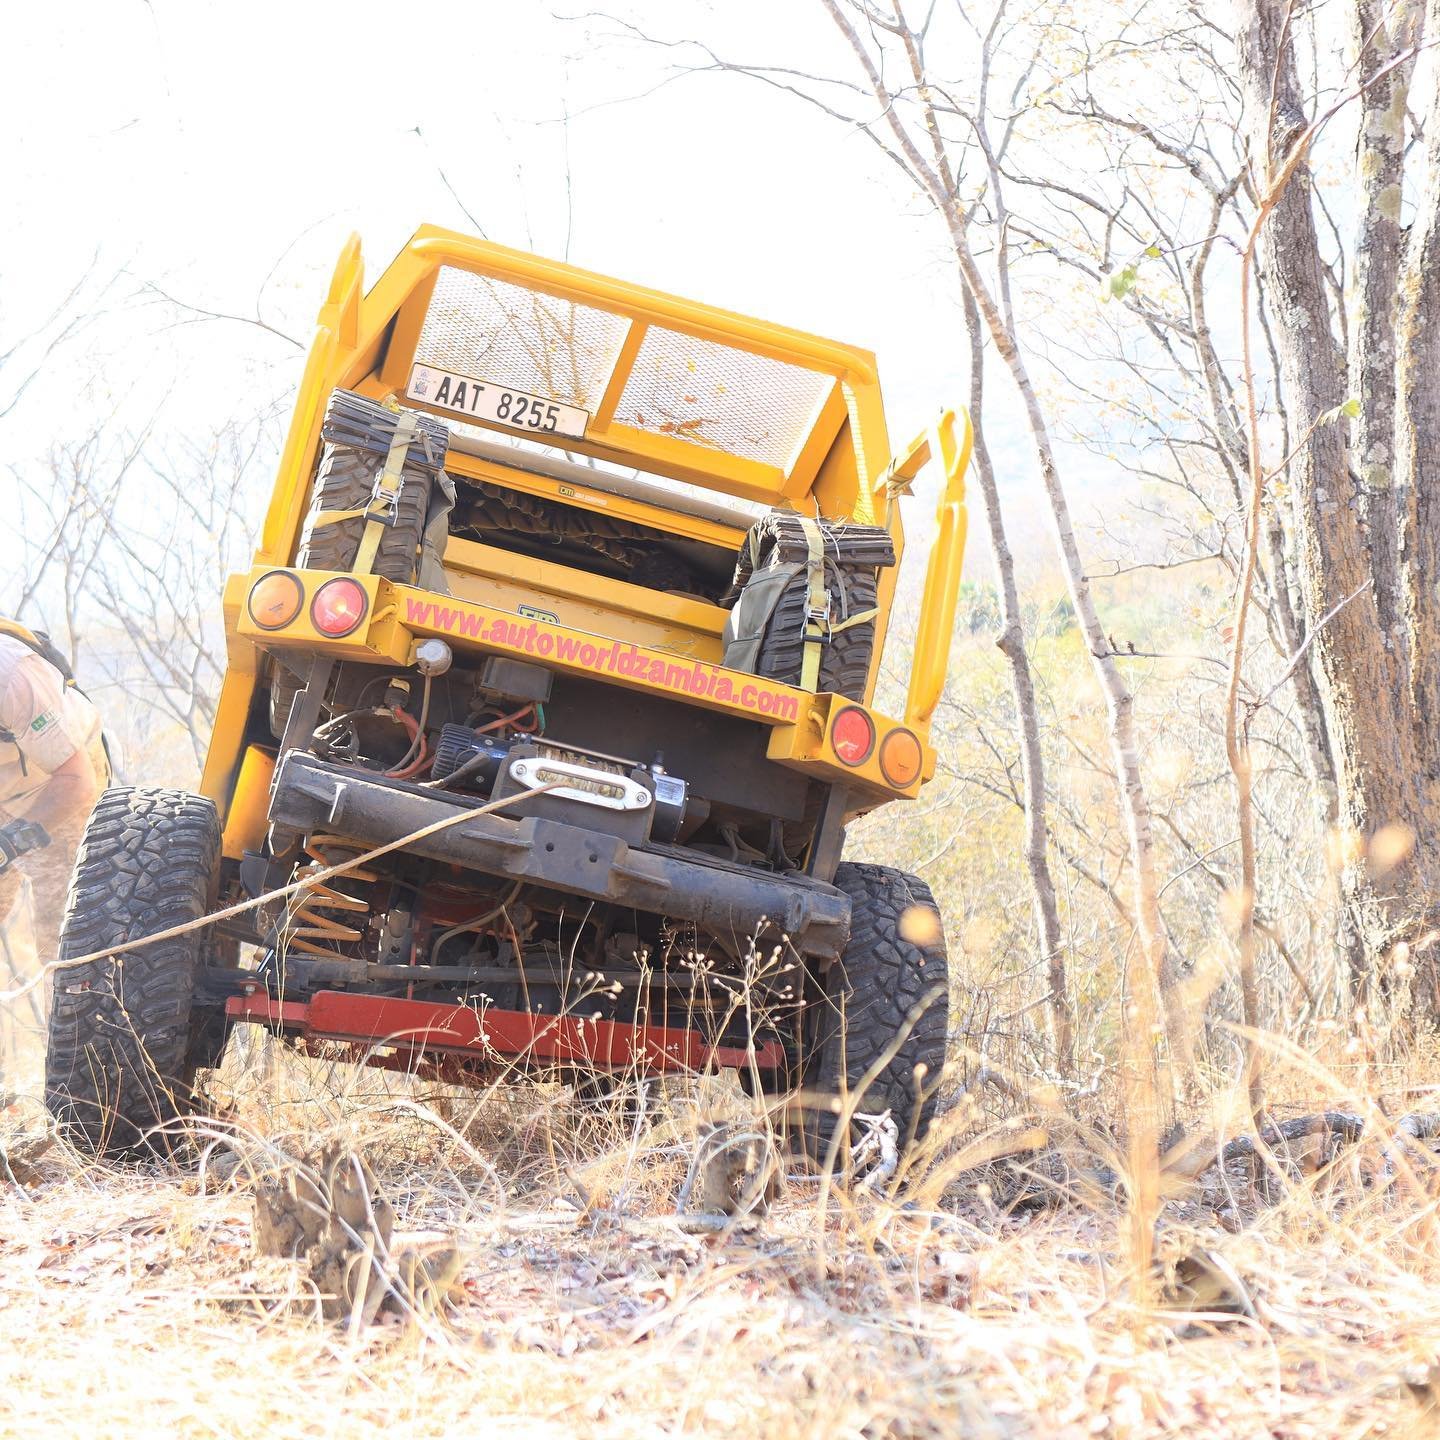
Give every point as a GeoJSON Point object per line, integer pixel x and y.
{"type": "Point", "coordinates": [1237, 729]}
{"type": "Point", "coordinates": [1011, 642]}
{"type": "Point", "coordinates": [1318, 755]}
{"type": "Point", "coordinates": [1379, 28]}
{"type": "Point", "coordinates": [1418, 425]}
{"type": "Point", "coordinates": [1143, 1086]}
{"type": "Point", "coordinates": [1364, 678]}
{"type": "Point", "coordinates": [1235, 454]}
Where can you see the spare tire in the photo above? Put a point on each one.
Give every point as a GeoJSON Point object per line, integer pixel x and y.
{"type": "Point", "coordinates": [844, 655]}
{"type": "Point", "coordinates": [769, 600]}
{"type": "Point", "coordinates": [358, 435]}
{"type": "Point", "coordinates": [344, 482]}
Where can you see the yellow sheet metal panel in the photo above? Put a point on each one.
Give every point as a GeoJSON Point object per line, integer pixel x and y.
{"type": "Point", "coordinates": [404, 333]}
{"type": "Point", "coordinates": [524, 586]}
{"type": "Point", "coordinates": [396, 614]}
{"type": "Point", "coordinates": [599, 657]}
{"type": "Point", "coordinates": [337, 335]}
{"type": "Point", "coordinates": [227, 735]}
{"type": "Point", "coordinates": [824, 435]}
{"type": "Point", "coordinates": [248, 811]}
{"type": "Point", "coordinates": [232, 707]}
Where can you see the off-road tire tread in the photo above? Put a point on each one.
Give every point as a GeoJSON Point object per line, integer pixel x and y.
{"type": "Point", "coordinates": [285, 685]}
{"type": "Point", "coordinates": [345, 481]}
{"type": "Point", "coordinates": [845, 657]}
{"type": "Point", "coordinates": [116, 1064]}
{"type": "Point", "coordinates": [882, 978]}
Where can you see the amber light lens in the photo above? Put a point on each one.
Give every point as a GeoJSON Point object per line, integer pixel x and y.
{"type": "Point", "coordinates": [852, 735]}
{"type": "Point", "coordinates": [338, 607]}
{"type": "Point", "coordinates": [275, 600]}
{"type": "Point", "coordinates": [900, 758]}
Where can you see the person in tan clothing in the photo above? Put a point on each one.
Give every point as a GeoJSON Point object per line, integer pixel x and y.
{"type": "Point", "coordinates": [53, 767]}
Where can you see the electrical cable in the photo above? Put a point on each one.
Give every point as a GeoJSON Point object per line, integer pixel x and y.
{"type": "Point", "coordinates": [409, 764]}
{"type": "Point", "coordinates": [478, 921]}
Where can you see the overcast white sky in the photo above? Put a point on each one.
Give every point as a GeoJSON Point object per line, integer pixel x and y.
{"type": "Point", "coordinates": [224, 152]}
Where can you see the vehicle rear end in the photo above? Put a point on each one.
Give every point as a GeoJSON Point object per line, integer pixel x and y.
{"type": "Point", "coordinates": [548, 700]}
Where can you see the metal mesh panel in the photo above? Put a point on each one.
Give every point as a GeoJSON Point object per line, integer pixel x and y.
{"type": "Point", "coordinates": [521, 338]}
{"type": "Point", "coordinates": [722, 398]}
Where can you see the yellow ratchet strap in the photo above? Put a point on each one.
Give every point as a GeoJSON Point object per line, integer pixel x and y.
{"type": "Point", "coordinates": [386, 495]}
{"type": "Point", "coordinates": [334, 517]}
{"type": "Point", "coordinates": [817, 604]}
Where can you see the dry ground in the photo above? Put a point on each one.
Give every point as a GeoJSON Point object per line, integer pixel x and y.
{"type": "Point", "coordinates": [131, 1301]}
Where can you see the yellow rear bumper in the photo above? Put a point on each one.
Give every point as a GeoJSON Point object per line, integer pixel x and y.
{"type": "Point", "coordinates": [397, 617]}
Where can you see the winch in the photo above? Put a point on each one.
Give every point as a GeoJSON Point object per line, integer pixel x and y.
{"type": "Point", "coordinates": [643, 801]}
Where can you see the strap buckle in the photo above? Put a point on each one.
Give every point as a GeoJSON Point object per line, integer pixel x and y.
{"type": "Point", "coordinates": [819, 615]}
{"type": "Point", "coordinates": [384, 506]}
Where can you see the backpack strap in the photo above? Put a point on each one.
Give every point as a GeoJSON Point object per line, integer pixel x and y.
{"type": "Point", "coordinates": [41, 643]}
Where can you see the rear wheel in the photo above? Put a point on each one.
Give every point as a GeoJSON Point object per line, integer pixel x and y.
{"type": "Point", "coordinates": [124, 1038]}
{"type": "Point", "coordinates": [886, 1008]}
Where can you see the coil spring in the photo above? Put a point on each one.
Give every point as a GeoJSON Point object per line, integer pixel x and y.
{"type": "Point", "coordinates": [320, 918]}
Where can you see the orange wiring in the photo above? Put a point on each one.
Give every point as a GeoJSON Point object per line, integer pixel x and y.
{"type": "Point", "coordinates": [425, 757]}
{"type": "Point", "coordinates": [506, 720]}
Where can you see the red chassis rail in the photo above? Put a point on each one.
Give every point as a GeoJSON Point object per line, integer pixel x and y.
{"type": "Point", "coordinates": [422, 1026]}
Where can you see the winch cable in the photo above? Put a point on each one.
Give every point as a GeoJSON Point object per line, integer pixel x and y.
{"type": "Point", "coordinates": [285, 891]}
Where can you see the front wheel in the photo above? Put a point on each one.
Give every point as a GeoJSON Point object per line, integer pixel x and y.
{"type": "Point", "coordinates": [882, 1036]}
{"type": "Point", "coordinates": [121, 1055]}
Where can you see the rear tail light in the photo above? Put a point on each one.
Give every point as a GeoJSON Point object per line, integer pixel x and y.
{"type": "Point", "coordinates": [275, 600]}
{"type": "Point", "coordinates": [338, 607]}
{"type": "Point", "coordinates": [852, 735]}
{"type": "Point", "coordinates": [900, 758]}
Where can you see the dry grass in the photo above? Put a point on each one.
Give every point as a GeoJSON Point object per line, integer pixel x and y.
{"type": "Point", "coordinates": [133, 1303]}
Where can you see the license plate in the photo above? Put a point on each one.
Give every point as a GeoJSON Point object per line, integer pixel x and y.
{"type": "Point", "coordinates": [497, 404]}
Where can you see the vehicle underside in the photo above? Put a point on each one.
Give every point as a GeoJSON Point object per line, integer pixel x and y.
{"type": "Point", "coordinates": [625, 894]}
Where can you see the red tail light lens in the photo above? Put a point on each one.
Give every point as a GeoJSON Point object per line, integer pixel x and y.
{"type": "Point", "coordinates": [852, 735]}
{"type": "Point", "coordinates": [338, 607]}
{"type": "Point", "coordinates": [900, 758]}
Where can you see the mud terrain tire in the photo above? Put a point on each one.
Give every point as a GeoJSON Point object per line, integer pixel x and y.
{"type": "Point", "coordinates": [284, 687]}
{"type": "Point", "coordinates": [345, 482]}
{"type": "Point", "coordinates": [845, 656]}
{"type": "Point", "coordinates": [880, 981]}
{"type": "Point", "coordinates": [119, 1061]}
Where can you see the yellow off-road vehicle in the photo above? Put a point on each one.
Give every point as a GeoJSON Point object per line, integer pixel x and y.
{"type": "Point", "coordinates": [569, 607]}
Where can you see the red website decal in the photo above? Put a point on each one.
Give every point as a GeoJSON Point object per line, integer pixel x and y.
{"type": "Point", "coordinates": [601, 657]}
